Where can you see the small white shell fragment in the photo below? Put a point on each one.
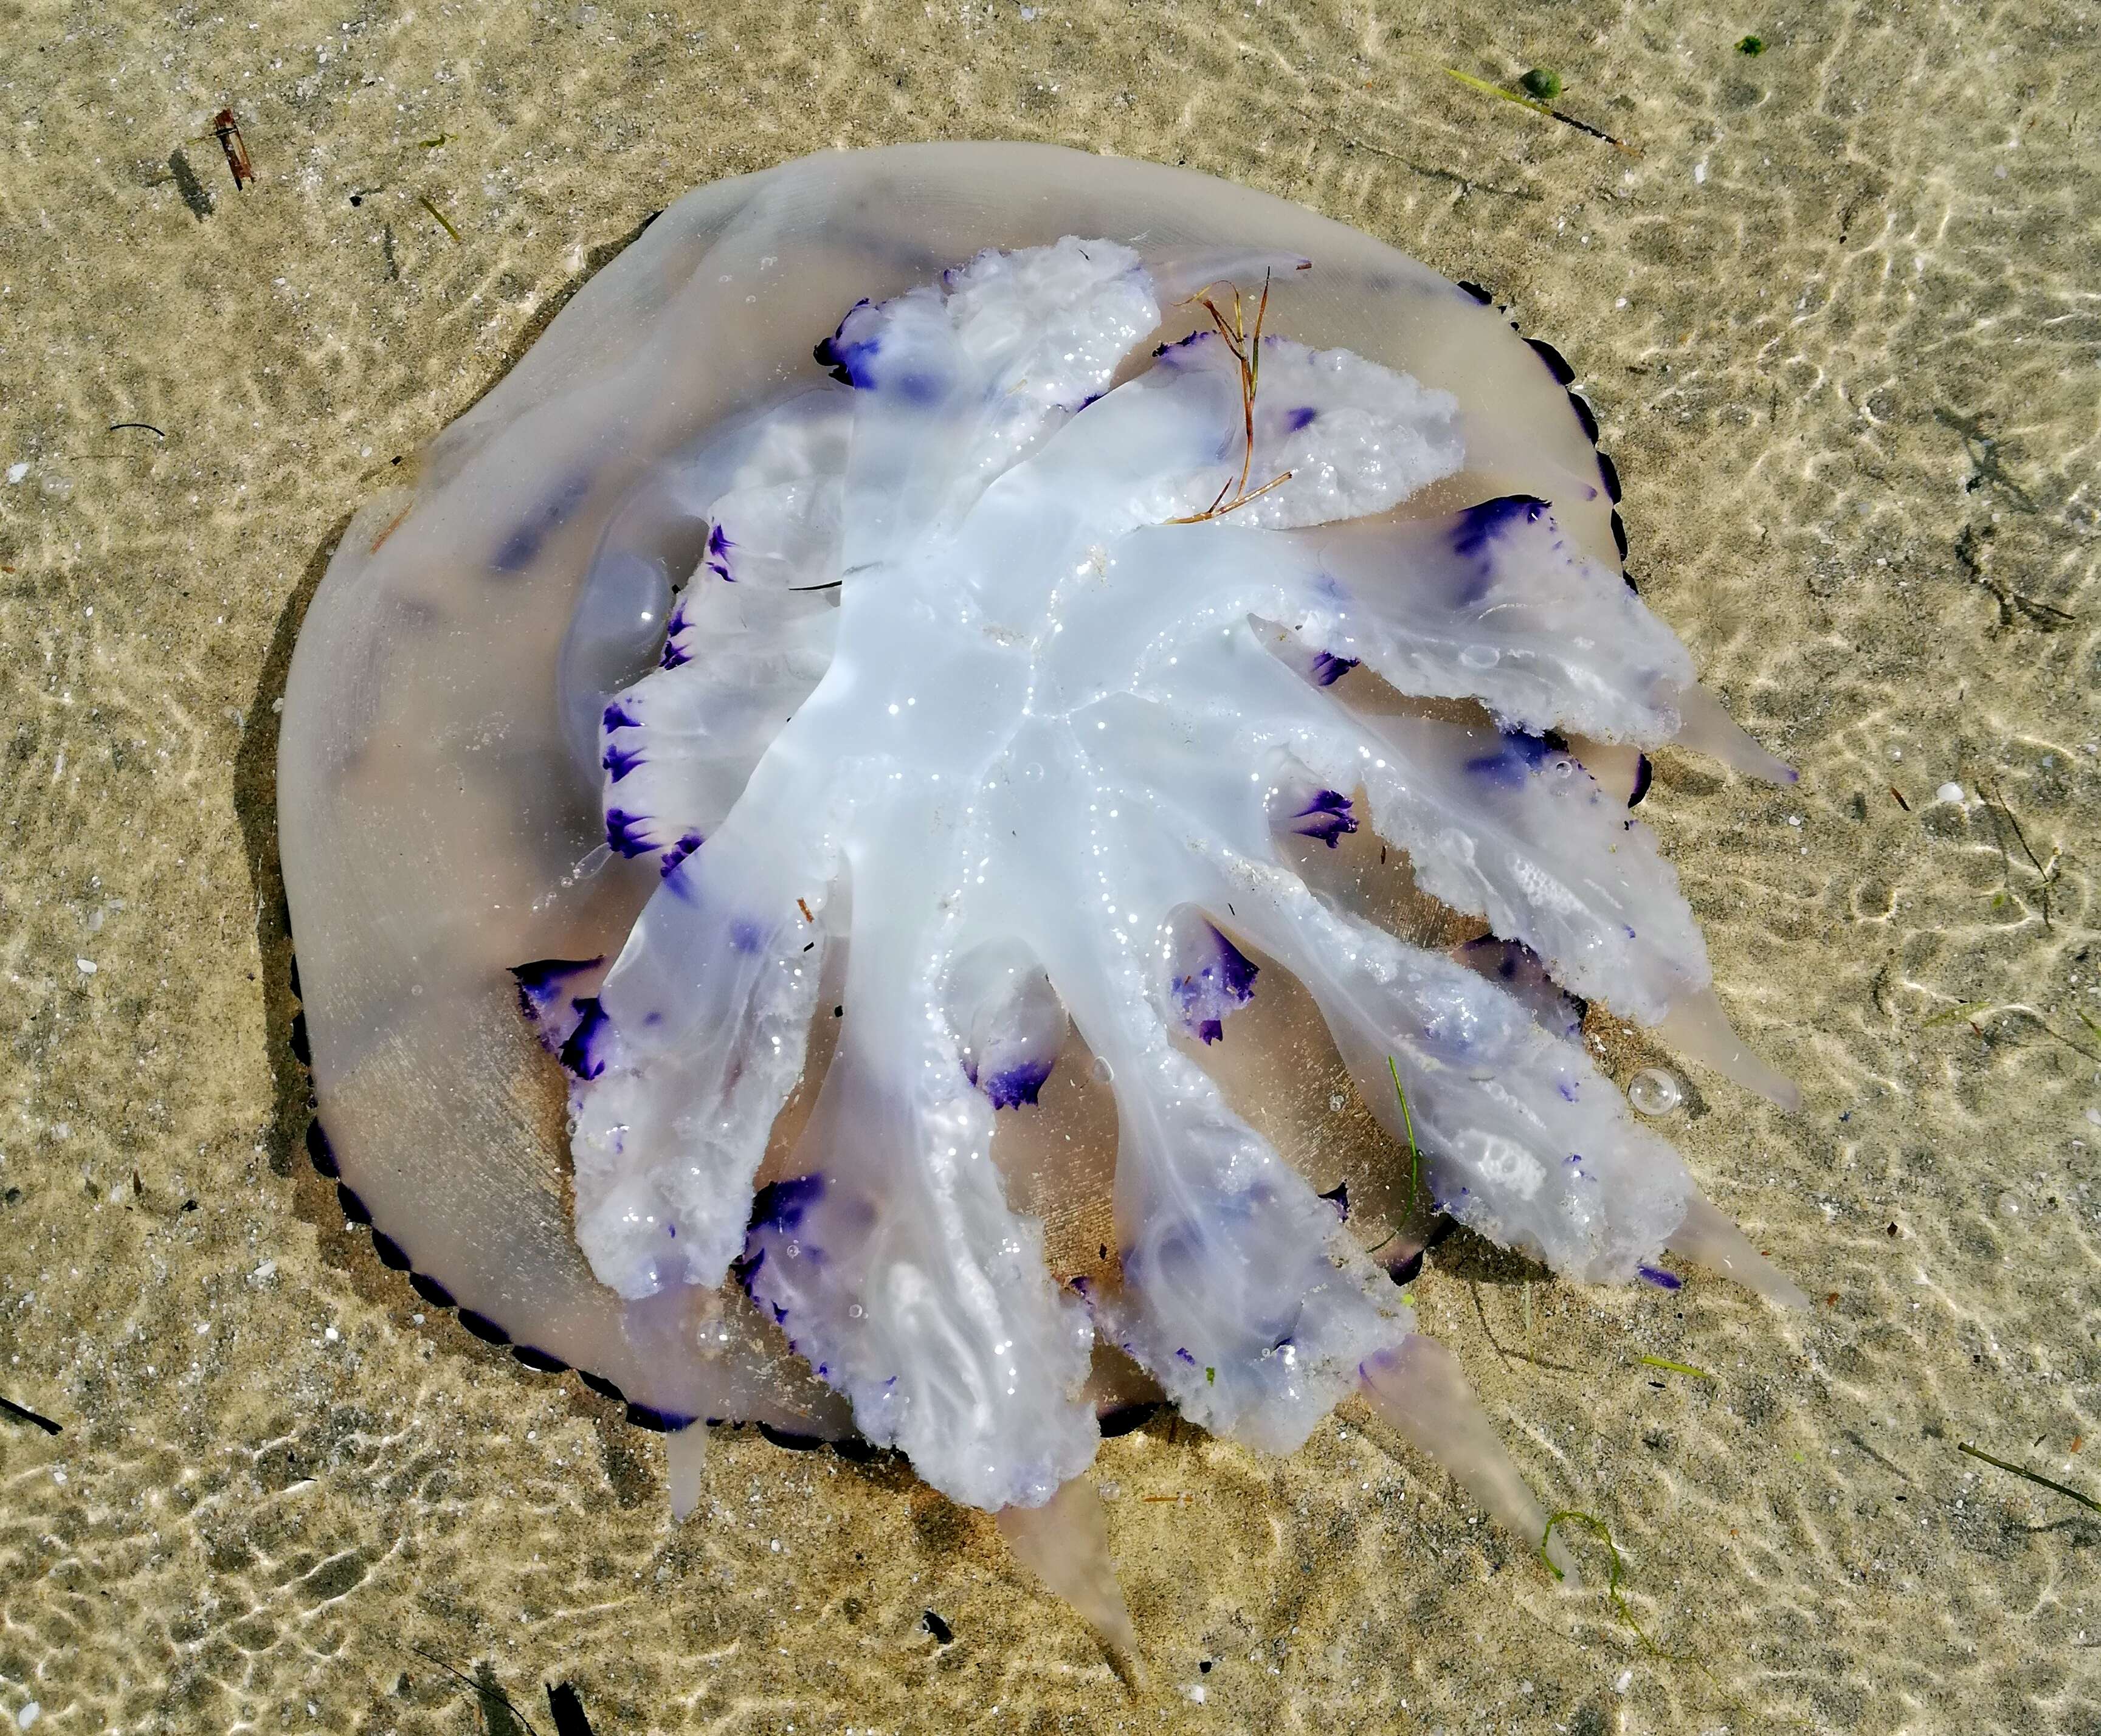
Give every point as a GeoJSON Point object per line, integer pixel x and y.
{"type": "Point", "coordinates": [1950, 792]}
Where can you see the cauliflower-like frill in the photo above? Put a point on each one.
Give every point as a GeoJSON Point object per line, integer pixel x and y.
{"type": "Point", "coordinates": [970, 639]}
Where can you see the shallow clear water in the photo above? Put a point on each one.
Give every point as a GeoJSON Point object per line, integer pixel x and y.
{"type": "Point", "coordinates": [1837, 319]}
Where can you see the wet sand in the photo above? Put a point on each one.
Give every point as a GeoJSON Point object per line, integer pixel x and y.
{"type": "Point", "coordinates": [1839, 322]}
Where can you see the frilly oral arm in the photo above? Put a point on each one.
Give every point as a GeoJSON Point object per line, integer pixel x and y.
{"type": "Point", "coordinates": [1526, 1141]}
{"type": "Point", "coordinates": [1236, 1294]}
{"type": "Point", "coordinates": [905, 1278]}
{"type": "Point", "coordinates": [703, 1022]}
{"type": "Point", "coordinates": [1500, 827]}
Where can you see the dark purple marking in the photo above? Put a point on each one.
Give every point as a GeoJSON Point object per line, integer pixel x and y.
{"type": "Point", "coordinates": [1644, 772]}
{"type": "Point", "coordinates": [1303, 416]}
{"type": "Point", "coordinates": [584, 1053]}
{"type": "Point", "coordinates": [718, 556]}
{"type": "Point", "coordinates": [617, 716]}
{"type": "Point", "coordinates": [1656, 1274]}
{"type": "Point", "coordinates": [545, 981]}
{"type": "Point", "coordinates": [746, 935]}
{"type": "Point", "coordinates": [1556, 364]}
{"type": "Point", "coordinates": [677, 878]}
{"type": "Point", "coordinates": [1407, 1268]}
{"type": "Point", "coordinates": [483, 1327]}
{"type": "Point", "coordinates": [1338, 1196]}
{"type": "Point", "coordinates": [431, 1291]}
{"type": "Point", "coordinates": [537, 1359]}
{"type": "Point", "coordinates": [687, 845]}
{"type": "Point", "coordinates": [1610, 472]}
{"type": "Point", "coordinates": [618, 761]}
{"type": "Point", "coordinates": [320, 1153]}
{"type": "Point", "coordinates": [674, 656]}
{"type": "Point", "coordinates": [1169, 353]}
{"type": "Point", "coordinates": [780, 1206]}
{"type": "Point", "coordinates": [1224, 982]}
{"type": "Point", "coordinates": [657, 1422]}
{"type": "Point", "coordinates": [923, 389]}
{"type": "Point", "coordinates": [847, 359]}
{"type": "Point", "coordinates": [1585, 419]}
{"type": "Point", "coordinates": [1181, 1355]}
{"type": "Point", "coordinates": [544, 997]}
{"type": "Point", "coordinates": [389, 1250]}
{"type": "Point", "coordinates": [1478, 525]}
{"type": "Point", "coordinates": [353, 1207]}
{"type": "Point", "coordinates": [1509, 766]}
{"type": "Point", "coordinates": [1327, 669]}
{"type": "Point", "coordinates": [517, 550]}
{"type": "Point", "coordinates": [1567, 1087]}
{"type": "Point", "coordinates": [624, 832]}
{"type": "Point", "coordinates": [1014, 1086]}
{"type": "Point", "coordinates": [1326, 817]}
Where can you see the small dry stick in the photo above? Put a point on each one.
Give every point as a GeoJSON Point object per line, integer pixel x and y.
{"type": "Point", "coordinates": [1246, 350]}
{"type": "Point", "coordinates": [1999, 803]}
{"type": "Point", "coordinates": [226, 130]}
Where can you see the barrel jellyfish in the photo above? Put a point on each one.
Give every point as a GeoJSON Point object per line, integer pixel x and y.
{"type": "Point", "coordinates": [984, 772]}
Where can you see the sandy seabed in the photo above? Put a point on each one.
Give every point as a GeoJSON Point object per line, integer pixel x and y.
{"type": "Point", "coordinates": [1840, 320]}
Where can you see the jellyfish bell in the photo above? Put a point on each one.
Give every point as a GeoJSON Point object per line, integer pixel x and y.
{"type": "Point", "coordinates": [831, 834]}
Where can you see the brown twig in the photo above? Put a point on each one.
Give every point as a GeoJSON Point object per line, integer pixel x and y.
{"type": "Point", "coordinates": [1245, 348]}
{"type": "Point", "coordinates": [1997, 804]}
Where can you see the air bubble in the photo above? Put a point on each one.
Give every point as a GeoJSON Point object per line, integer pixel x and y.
{"type": "Point", "coordinates": [1654, 1091]}
{"type": "Point", "coordinates": [1103, 1071]}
